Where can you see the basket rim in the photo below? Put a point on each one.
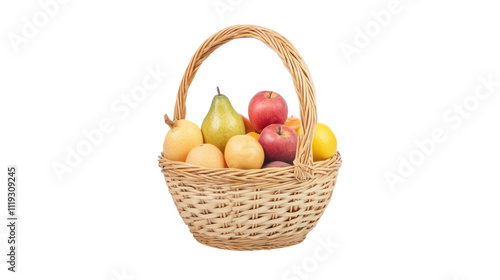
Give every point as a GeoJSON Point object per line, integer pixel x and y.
{"type": "Point", "coordinates": [336, 157]}
{"type": "Point", "coordinates": [261, 178]}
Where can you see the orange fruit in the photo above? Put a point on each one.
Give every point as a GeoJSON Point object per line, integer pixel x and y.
{"type": "Point", "coordinates": [254, 134]}
{"type": "Point", "coordinates": [293, 122]}
{"type": "Point", "coordinates": [180, 139]}
{"type": "Point", "coordinates": [243, 151]}
{"type": "Point", "coordinates": [206, 155]}
{"type": "Point", "coordinates": [248, 125]}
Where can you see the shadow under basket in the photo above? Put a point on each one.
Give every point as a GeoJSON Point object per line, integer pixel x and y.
{"type": "Point", "coordinates": [254, 209]}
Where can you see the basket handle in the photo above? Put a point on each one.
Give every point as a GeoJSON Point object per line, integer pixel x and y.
{"type": "Point", "coordinates": [293, 62]}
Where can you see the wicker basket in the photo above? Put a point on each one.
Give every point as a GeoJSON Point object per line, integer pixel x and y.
{"type": "Point", "coordinates": [255, 209]}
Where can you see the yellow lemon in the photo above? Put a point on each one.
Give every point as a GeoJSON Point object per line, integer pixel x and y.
{"type": "Point", "coordinates": [324, 144]}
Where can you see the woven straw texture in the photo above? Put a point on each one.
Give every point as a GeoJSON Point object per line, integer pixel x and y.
{"type": "Point", "coordinates": [261, 208]}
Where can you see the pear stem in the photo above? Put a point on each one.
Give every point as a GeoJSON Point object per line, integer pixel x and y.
{"type": "Point", "coordinates": [218, 91]}
{"type": "Point", "coordinates": [169, 122]}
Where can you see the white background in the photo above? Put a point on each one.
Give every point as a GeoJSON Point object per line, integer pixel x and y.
{"type": "Point", "coordinates": [112, 216]}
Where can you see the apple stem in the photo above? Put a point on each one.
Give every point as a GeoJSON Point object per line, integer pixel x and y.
{"type": "Point", "coordinates": [279, 130]}
{"type": "Point", "coordinates": [218, 91]}
{"type": "Point", "coordinates": [169, 122]}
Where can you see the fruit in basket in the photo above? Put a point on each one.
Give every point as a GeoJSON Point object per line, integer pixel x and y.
{"type": "Point", "coordinates": [180, 139]}
{"type": "Point", "coordinates": [206, 155]}
{"type": "Point", "coordinates": [222, 122]}
{"type": "Point", "coordinates": [293, 122]}
{"type": "Point", "coordinates": [324, 143]}
{"type": "Point", "coordinates": [248, 126]}
{"type": "Point", "coordinates": [265, 108]}
{"type": "Point", "coordinates": [279, 143]}
{"type": "Point", "coordinates": [243, 151]}
{"type": "Point", "coordinates": [254, 134]}
{"type": "Point", "coordinates": [276, 164]}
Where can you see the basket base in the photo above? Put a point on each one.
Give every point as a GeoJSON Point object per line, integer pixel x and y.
{"type": "Point", "coordinates": [250, 244]}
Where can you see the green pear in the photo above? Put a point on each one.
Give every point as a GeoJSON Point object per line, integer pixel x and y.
{"type": "Point", "coordinates": [222, 122]}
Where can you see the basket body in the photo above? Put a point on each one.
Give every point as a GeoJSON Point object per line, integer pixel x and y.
{"type": "Point", "coordinates": [249, 209]}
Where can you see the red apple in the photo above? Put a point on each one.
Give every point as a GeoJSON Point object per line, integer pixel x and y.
{"type": "Point", "coordinates": [279, 143]}
{"type": "Point", "coordinates": [274, 164]}
{"type": "Point", "coordinates": [265, 108]}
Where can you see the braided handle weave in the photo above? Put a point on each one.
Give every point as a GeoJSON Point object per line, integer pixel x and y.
{"type": "Point", "coordinates": [293, 62]}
